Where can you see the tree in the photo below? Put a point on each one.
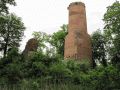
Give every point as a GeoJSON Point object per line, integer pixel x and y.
{"type": "Point", "coordinates": [58, 39]}
{"type": "Point", "coordinates": [4, 7]}
{"type": "Point", "coordinates": [112, 29]}
{"type": "Point", "coordinates": [11, 66]}
{"type": "Point", "coordinates": [11, 32]}
{"type": "Point", "coordinates": [42, 39]}
{"type": "Point", "coordinates": [98, 48]}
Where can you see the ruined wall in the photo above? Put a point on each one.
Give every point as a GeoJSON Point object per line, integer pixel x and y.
{"type": "Point", "coordinates": [31, 45]}
{"type": "Point", "coordinates": [77, 42]}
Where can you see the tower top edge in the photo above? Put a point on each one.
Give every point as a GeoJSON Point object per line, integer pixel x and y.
{"type": "Point", "coordinates": [76, 3]}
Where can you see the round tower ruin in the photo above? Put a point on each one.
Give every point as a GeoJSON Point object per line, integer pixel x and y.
{"type": "Point", "coordinates": [77, 42]}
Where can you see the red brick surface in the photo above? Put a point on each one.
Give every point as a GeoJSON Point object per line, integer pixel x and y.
{"type": "Point", "coordinates": [77, 42]}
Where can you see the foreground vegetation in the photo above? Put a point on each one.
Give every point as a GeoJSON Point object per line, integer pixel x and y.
{"type": "Point", "coordinates": [40, 71]}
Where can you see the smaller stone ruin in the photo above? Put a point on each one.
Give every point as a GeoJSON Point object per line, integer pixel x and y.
{"type": "Point", "coordinates": [31, 46]}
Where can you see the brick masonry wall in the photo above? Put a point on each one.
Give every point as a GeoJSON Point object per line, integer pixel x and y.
{"type": "Point", "coordinates": [77, 42]}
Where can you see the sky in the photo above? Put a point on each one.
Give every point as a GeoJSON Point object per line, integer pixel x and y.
{"type": "Point", "coordinates": [48, 15]}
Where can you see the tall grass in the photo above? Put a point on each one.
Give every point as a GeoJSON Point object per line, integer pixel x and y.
{"type": "Point", "coordinates": [44, 85]}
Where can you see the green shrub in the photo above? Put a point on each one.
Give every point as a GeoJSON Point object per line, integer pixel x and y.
{"type": "Point", "coordinates": [60, 70]}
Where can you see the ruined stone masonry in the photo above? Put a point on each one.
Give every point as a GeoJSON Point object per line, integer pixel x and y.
{"type": "Point", "coordinates": [77, 42]}
{"type": "Point", "coordinates": [31, 46]}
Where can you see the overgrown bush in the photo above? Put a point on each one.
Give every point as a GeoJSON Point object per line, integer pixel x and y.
{"type": "Point", "coordinates": [40, 68]}
{"type": "Point", "coordinates": [11, 66]}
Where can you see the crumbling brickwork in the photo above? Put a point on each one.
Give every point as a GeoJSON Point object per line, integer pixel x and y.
{"type": "Point", "coordinates": [77, 42]}
{"type": "Point", "coordinates": [31, 45]}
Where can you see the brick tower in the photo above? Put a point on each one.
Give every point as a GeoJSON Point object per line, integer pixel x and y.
{"type": "Point", "coordinates": [77, 42]}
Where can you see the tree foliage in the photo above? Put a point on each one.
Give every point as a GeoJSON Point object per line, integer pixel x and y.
{"type": "Point", "coordinates": [58, 39]}
{"type": "Point", "coordinates": [112, 29]}
{"type": "Point", "coordinates": [42, 38]}
{"type": "Point", "coordinates": [98, 48]}
{"type": "Point", "coordinates": [4, 5]}
{"type": "Point", "coordinates": [11, 32]}
{"type": "Point", "coordinates": [11, 66]}
{"type": "Point", "coordinates": [52, 43]}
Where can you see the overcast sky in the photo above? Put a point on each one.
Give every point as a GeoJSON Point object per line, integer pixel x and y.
{"type": "Point", "coordinates": [48, 15]}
